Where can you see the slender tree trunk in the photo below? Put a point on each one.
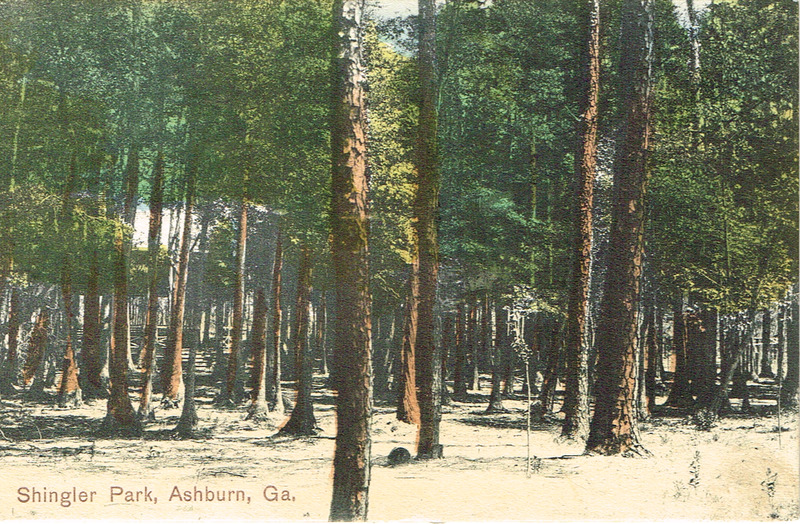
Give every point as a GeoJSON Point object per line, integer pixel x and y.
{"type": "Point", "coordinates": [447, 340]}
{"type": "Point", "coordinates": [172, 375]}
{"type": "Point", "coordinates": [8, 376]}
{"type": "Point", "coordinates": [94, 385]}
{"type": "Point", "coordinates": [121, 419]}
{"type": "Point", "coordinates": [613, 427]}
{"type": "Point", "coordinates": [129, 217]}
{"type": "Point", "coordinates": [576, 392]}
{"type": "Point", "coordinates": [232, 392]}
{"type": "Point", "coordinates": [151, 318]}
{"type": "Point", "coordinates": [680, 395]}
{"type": "Point", "coordinates": [302, 420]}
{"type": "Point", "coordinates": [766, 346]}
{"type": "Point", "coordinates": [459, 380]}
{"type": "Point", "coordinates": [187, 424]}
{"type": "Point", "coordinates": [426, 205]}
{"type": "Point", "coordinates": [275, 392]}
{"type": "Point", "coordinates": [349, 245]}
{"type": "Point", "coordinates": [498, 342]}
{"type": "Point", "coordinates": [259, 408]}
{"type": "Point", "coordinates": [408, 407]}
{"type": "Point", "coordinates": [37, 347]}
{"type": "Point", "coordinates": [550, 382]}
{"type": "Point", "coordinates": [652, 348]}
{"type": "Point", "coordinates": [474, 344]}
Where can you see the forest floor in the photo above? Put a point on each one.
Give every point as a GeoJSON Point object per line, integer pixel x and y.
{"type": "Point", "coordinates": [741, 469]}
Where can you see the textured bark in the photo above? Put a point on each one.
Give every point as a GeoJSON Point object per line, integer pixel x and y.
{"type": "Point", "coordinates": [408, 407]}
{"type": "Point", "coordinates": [172, 375]}
{"type": "Point", "coordinates": [613, 426]}
{"type": "Point", "coordinates": [259, 408]}
{"type": "Point", "coordinates": [302, 420]}
{"type": "Point", "coordinates": [36, 347]}
{"type": "Point", "coordinates": [680, 395]}
{"type": "Point", "coordinates": [425, 209]}
{"type": "Point", "coordinates": [120, 420]}
{"type": "Point", "coordinates": [232, 393]}
{"type": "Point", "coordinates": [93, 358]}
{"type": "Point", "coordinates": [705, 338]}
{"type": "Point", "coordinates": [8, 374]}
{"type": "Point", "coordinates": [151, 318]}
{"type": "Point", "coordinates": [497, 352]}
{"type": "Point", "coordinates": [187, 424]}
{"type": "Point", "coordinates": [653, 355]}
{"type": "Point", "coordinates": [275, 392]}
{"type": "Point", "coordinates": [349, 245]}
{"type": "Point", "coordinates": [576, 392]}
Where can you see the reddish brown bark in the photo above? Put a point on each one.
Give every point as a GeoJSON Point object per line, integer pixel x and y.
{"type": "Point", "coordinates": [352, 348]}
{"type": "Point", "coordinates": [576, 393]}
{"type": "Point", "coordinates": [36, 347]}
{"type": "Point", "coordinates": [151, 317]}
{"type": "Point", "coordinates": [408, 407]}
{"type": "Point", "coordinates": [680, 395]}
{"type": "Point", "coordinates": [121, 419]}
{"type": "Point", "coordinates": [613, 427]}
{"type": "Point", "coordinates": [172, 375]}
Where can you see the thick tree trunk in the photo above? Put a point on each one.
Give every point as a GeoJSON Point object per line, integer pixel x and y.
{"type": "Point", "coordinates": [8, 375]}
{"type": "Point", "coordinates": [151, 318]}
{"type": "Point", "coordinates": [259, 407]}
{"type": "Point", "coordinates": [349, 246]}
{"type": "Point", "coordinates": [172, 375]}
{"type": "Point", "coordinates": [37, 347]}
{"type": "Point", "coordinates": [576, 387]}
{"type": "Point", "coordinates": [187, 424]}
{"type": "Point", "coordinates": [703, 336]}
{"type": "Point", "coordinates": [613, 427]}
{"type": "Point", "coordinates": [302, 420]}
{"type": "Point", "coordinates": [233, 390]}
{"type": "Point", "coordinates": [275, 392]}
{"type": "Point", "coordinates": [425, 209]}
{"type": "Point", "coordinates": [408, 407]}
{"type": "Point", "coordinates": [121, 419]}
{"type": "Point", "coordinates": [93, 358]}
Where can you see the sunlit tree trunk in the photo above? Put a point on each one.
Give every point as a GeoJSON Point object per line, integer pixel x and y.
{"type": "Point", "coordinates": [275, 392]}
{"type": "Point", "coordinates": [790, 385]}
{"type": "Point", "coordinates": [151, 318]}
{"type": "Point", "coordinates": [172, 375]}
{"type": "Point", "coordinates": [497, 343]}
{"type": "Point", "coordinates": [8, 375]}
{"type": "Point", "coordinates": [352, 348]}
{"type": "Point", "coordinates": [37, 346]}
{"type": "Point", "coordinates": [576, 393]}
{"type": "Point", "coordinates": [613, 426]}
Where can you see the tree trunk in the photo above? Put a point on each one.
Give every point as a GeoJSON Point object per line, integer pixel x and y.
{"type": "Point", "coordinates": [151, 318]}
{"type": "Point", "coordinates": [275, 392]}
{"type": "Point", "coordinates": [302, 420]}
{"type": "Point", "coordinates": [704, 339]}
{"type": "Point", "coordinates": [408, 407]}
{"type": "Point", "coordinates": [497, 348]}
{"type": "Point", "coordinates": [680, 395]}
{"type": "Point", "coordinates": [94, 385]}
{"type": "Point", "coordinates": [187, 424]}
{"type": "Point", "coordinates": [233, 390]}
{"type": "Point", "coordinates": [459, 380]}
{"type": "Point", "coordinates": [576, 387]}
{"type": "Point", "coordinates": [613, 427]}
{"type": "Point", "coordinates": [172, 375]}
{"type": "Point", "coordinates": [121, 419]}
{"type": "Point", "coordinates": [653, 356]}
{"type": "Point", "coordinates": [790, 384]}
{"type": "Point", "coordinates": [766, 346]}
{"type": "Point", "coordinates": [8, 376]}
{"type": "Point", "coordinates": [36, 347]}
{"type": "Point", "coordinates": [349, 246]}
{"type": "Point", "coordinates": [425, 210]}
{"type": "Point", "coordinates": [447, 340]}
{"type": "Point", "coordinates": [550, 383]}
{"type": "Point", "coordinates": [259, 408]}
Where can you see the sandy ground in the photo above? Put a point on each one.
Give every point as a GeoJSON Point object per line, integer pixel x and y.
{"type": "Point", "coordinates": [724, 473]}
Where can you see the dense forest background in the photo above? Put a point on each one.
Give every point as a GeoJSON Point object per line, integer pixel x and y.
{"type": "Point", "coordinates": [165, 206]}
